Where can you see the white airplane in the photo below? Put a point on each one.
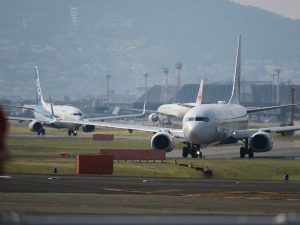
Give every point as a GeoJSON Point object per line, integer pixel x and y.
{"type": "Point", "coordinates": [54, 116]}
{"type": "Point", "coordinates": [176, 109]}
{"type": "Point", "coordinates": [208, 124]}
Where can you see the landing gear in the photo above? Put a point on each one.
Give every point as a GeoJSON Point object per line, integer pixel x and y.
{"type": "Point", "coordinates": [194, 150]}
{"type": "Point", "coordinates": [41, 132]}
{"type": "Point", "coordinates": [246, 150]}
{"type": "Point", "coordinates": [185, 152]}
{"type": "Point", "coordinates": [72, 131]}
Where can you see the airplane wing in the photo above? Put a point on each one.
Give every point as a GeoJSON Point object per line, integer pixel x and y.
{"type": "Point", "coordinates": [188, 105]}
{"type": "Point", "coordinates": [20, 119]}
{"type": "Point", "coordinates": [130, 127]}
{"type": "Point", "coordinates": [119, 117]}
{"type": "Point", "coordinates": [241, 134]}
{"type": "Point", "coordinates": [20, 107]}
{"type": "Point", "coordinates": [258, 109]}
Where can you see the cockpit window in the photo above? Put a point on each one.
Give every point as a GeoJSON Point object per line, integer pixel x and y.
{"type": "Point", "coordinates": [205, 119]}
{"type": "Point", "coordinates": [77, 114]}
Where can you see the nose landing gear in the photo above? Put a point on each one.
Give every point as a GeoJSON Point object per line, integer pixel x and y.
{"type": "Point", "coordinates": [193, 149]}
{"type": "Point", "coordinates": [72, 132]}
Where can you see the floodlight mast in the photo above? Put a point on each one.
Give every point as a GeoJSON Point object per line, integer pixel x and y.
{"type": "Point", "coordinates": [178, 66]}
{"type": "Point", "coordinates": [166, 71]}
{"type": "Point", "coordinates": [108, 76]}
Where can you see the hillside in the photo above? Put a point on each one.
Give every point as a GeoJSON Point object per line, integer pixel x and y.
{"type": "Point", "coordinates": [76, 43]}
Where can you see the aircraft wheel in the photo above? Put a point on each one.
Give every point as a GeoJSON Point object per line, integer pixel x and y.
{"type": "Point", "coordinates": [242, 152]}
{"type": "Point", "coordinates": [194, 153]}
{"type": "Point", "coordinates": [250, 153]}
{"type": "Point", "coordinates": [185, 152]}
{"type": "Point", "coordinates": [74, 133]}
{"type": "Point", "coordinates": [69, 132]}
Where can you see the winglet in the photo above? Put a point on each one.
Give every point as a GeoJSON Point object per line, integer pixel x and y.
{"type": "Point", "coordinates": [39, 98]}
{"type": "Point", "coordinates": [235, 95]}
{"type": "Point", "coordinates": [200, 94]}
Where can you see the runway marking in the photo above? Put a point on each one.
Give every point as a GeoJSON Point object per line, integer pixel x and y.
{"type": "Point", "coordinates": [124, 190]}
{"type": "Point", "coordinates": [165, 191]}
{"type": "Point", "coordinates": [249, 195]}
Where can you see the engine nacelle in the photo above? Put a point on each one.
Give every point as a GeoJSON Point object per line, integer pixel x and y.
{"type": "Point", "coordinates": [88, 128]}
{"type": "Point", "coordinates": [153, 117]}
{"type": "Point", "coordinates": [162, 141]}
{"type": "Point", "coordinates": [261, 142]}
{"type": "Point", "coordinates": [35, 126]}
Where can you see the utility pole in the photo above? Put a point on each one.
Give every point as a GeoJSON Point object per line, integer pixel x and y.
{"type": "Point", "coordinates": [166, 71]}
{"type": "Point", "coordinates": [108, 76]}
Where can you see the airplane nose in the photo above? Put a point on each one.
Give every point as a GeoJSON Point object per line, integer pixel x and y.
{"type": "Point", "coordinates": [192, 133]}
{"type": "Point", "coordinates": [198, 132]}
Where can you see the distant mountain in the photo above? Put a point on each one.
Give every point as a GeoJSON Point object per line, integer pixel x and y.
{"type": "Point", "coordinates": [76, 43]}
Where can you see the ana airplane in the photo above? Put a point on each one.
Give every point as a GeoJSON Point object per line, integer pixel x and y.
{"type": "Point", "coordinates": [177, 110]}
{"type": "Point", "coordinates": [208, 124]}
{"type": "Point", "coordinates": [55, 116]}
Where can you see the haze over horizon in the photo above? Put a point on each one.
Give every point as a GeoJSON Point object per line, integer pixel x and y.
{"type": "Point", "coordinates": [75, 44]}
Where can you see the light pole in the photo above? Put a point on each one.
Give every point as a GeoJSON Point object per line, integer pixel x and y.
{"type": "Point", "coordinates": [178, 66]}
{"type": "Point", "coordinates": [166, 71]}
{"type": "Point", "coordinates": [108, 76]}
{"type": "Point", "coordinates": [275, 94]}
{"type": "Point", "coordinates": [277, 89]}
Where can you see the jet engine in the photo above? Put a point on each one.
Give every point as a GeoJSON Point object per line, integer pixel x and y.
{"type": "Point", "coordinates": [261, 142]}
{"type": "Point", "coordinates": [35, 126]}
{"type": "Point", "coordinates": [88, 128]}
{"type": "Point", "coordinates": [153, 117]}
{"type": "Point", "coordinates": [162, 141]}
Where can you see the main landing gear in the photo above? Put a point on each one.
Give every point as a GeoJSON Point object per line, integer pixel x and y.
{"type": "Point", "coordinates": [41, 132]}
{"type": "Point", "coordinates": [192, 149]}
{"type": "Point", "coordinates": [72, 132]}
{"type": "Point", "coordinates": [246, 150]}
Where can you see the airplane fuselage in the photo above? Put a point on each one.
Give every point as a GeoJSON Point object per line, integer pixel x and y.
{"type": "Point", "coordinates": [212, 123]}
{"type": "Point", "coordinates": [63, 112]}
{"type": "Point", "coordinates": [173, 110]}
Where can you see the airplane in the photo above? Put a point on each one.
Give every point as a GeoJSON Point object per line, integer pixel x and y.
{"type": "Point", "coordinates": [49, 115]}
{"type": "Point", "coordinates": [210, 124]}
{"type": "Point", "coordinates": [177, 110]}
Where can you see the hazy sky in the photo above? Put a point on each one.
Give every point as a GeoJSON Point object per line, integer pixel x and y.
{"type": "Point", "coordinates": [287, 8]}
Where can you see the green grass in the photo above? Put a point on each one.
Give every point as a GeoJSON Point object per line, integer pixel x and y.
{"type": "Point", "coordinates": [40, 155]}
{"type": "Point", "coordinates": [235, 169]}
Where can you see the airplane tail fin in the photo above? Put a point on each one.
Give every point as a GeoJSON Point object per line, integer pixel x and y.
{"type": "Point", "coordinates": [200, 93]}
{"type": "Point", "coordinates": [235, 95]}
{"type": "Point", "coordinates": [39, 98]}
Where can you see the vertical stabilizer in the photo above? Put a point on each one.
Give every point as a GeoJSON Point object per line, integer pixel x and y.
{"type": "Point", "coordinates": [200, 94]}
{"type": "Point", "coordinates": [39, 98]}
{"type": "Point", "coordinates": [235, 95]}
